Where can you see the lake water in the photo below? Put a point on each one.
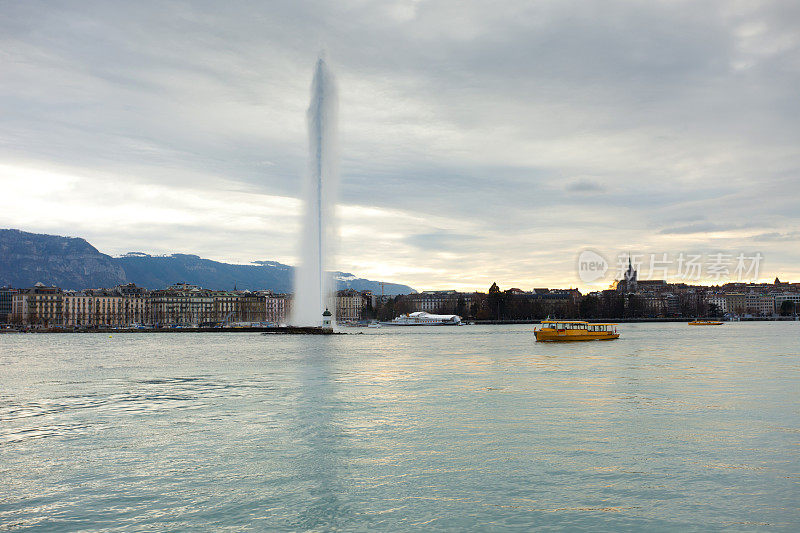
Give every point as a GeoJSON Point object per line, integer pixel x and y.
{"type": "Point", "coordinates": [670, 428]}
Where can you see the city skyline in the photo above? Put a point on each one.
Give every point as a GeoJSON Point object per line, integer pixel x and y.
{"type": "Point", "coordinates": [697, 270]}
{"type": "Point", "coordinates": [477, 145]}
{"type": "Point", "coordinates": [183, 304]}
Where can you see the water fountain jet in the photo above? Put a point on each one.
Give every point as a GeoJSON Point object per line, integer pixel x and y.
{"type": "Point", "coordinates": [313, 285]}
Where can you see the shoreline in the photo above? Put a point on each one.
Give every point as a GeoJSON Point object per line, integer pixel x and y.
{"type": "Point", "coordinates": [634, 320]}
{"type": "Point", "coordinates": [311, 330]}
{"type": "Point", "coordinates": [288, 330]}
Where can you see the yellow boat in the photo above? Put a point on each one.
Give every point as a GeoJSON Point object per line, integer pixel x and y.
{"type": "Point", "coordinates": [572, 330]}
{"type": "Point", "coordinates": [705, 323]}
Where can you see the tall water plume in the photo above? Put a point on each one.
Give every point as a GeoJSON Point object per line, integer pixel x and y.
{"type": "Point", "coordinates": [313, 287]}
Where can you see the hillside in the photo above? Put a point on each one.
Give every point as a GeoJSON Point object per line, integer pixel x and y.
{"type": "Point", "coordinates": [73, 263]}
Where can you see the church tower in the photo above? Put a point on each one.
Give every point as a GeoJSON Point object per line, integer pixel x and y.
{"type": "Point", "coordinates": [629, 282]}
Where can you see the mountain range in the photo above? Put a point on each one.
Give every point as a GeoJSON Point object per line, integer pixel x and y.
{"type": "Point", "coordinates": [73, 263]}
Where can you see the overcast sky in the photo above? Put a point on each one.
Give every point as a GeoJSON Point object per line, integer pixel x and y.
{"type": "Point", "coordinates": [480, 141]}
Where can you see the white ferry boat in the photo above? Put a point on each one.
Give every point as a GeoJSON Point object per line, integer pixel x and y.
{"type": "Point", "coordinates": [421, 318]}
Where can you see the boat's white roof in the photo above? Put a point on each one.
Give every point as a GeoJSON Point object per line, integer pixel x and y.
{"type": "Point", "coordinates": [423, 314]}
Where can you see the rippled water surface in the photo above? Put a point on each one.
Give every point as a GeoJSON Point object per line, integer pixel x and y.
{"type": "Point", "coordinates": [478, 427]}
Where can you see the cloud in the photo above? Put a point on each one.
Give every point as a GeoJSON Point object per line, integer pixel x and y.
{"type": "Point", "coordinates": [440, 241]}
{"type": "Point", "coordinates": [792, 236]}
{"type": "Point", "coordinates": [584, 186]}
{"type": "Point", "coordinates": [490, 122]}
{"type": "Point", "coordinates": [698, 227]}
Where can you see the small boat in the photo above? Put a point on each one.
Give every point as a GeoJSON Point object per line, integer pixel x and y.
{"type": "Point", "coordinates": [572, 330]}
{"type": "Point", "coordinates": [705, 323]}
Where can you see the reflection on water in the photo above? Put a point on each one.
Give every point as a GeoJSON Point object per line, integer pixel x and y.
{"type": "Point", "coordinates": [320, 437]}
{"type": "Point", "coordinates": [475, 427]}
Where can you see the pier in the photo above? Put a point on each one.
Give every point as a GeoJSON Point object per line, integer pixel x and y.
{"type": "Point", "coordinates": [287, 330]}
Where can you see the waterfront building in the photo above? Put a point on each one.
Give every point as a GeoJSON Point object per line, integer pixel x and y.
{"type": "Point", "coordinates": [445, 301]}
{"type": "Point", "coordinates": [552, 302]}
{"type": "Point", "coordinates": [251, 307]}
{"type": "Point", "coordinates": [276, 306]}
{"type": "Point", "coordinates": [121, 306]}
{"type": "Point", "coordinates": [653, 305]}
{"type": "Point", "coordinates": [226, 308]}
{"type": "Point", "coordinates": [432, 301]}
{"type": "Point", "coordinates": [516, 304]}
{"type": "Point", "coordinates": [766, 305]}
{"type": "Point", "coordinates": [787, 297]}
{"type": "Point", "coordinates": [349, 305]}
{"type": "Point", "coordinates": [352, 305]}
{"type": "Point", "coordinates": [39, 305]}
{"type": "Point", "coordinates": [652, 285]}
{"type": "Point", "coordinates": [6, 301]}
{"type": "Point", "coordinates": [719, 300]}
{"type": "Point", "coordinates": [735, 302]}
{"type": "Point", "coordinates": [672, 304]}
{"type": "Point", "coordinates": [135, 305]}
{"type": "Point", "coordinates": [182, 304]}
{"type": "Point", "coordinates": [130, 289]}
{"type": "Point", "coordinates": [92, 308]}
{"type": "Point", "coordinates": [751, 303]}
{"type": "Point", "coordinates": [759, 304]}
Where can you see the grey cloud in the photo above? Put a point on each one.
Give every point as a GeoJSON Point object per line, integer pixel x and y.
{"type": "Point", "coordinates": [791, 236]}
{"type": "Point", "coordinates": [459, 109]}
{"type": "Point", "coordinates": [584, 185]}
{"type": "Point", "coordinates": [699, 227]}
{"type": "Point", "coordinates": [441, 241]}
